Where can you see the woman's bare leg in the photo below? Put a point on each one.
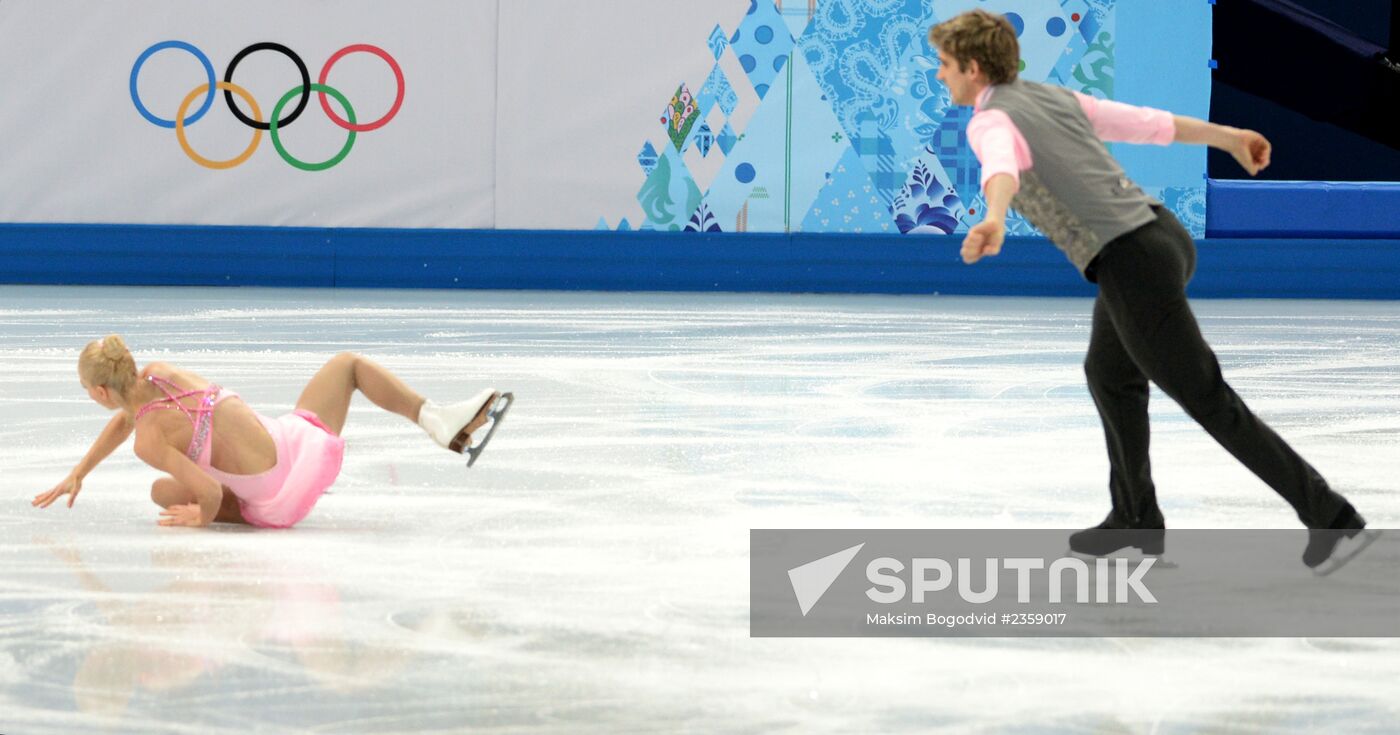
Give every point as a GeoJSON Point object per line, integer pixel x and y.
{"type": "Point", "coordinates": [229, 510]}
{"type": "Point", "coordinates": [328, 394]}
{"type": "Point", "coordinates": [167, 492]}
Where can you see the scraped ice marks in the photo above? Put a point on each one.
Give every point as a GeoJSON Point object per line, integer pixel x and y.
{"type": "Point", "coordinates": [670, 193]}
{"type": "Point", "coordinates": [763, 45]}
{"type": "Point", "coordinates": [680, 116]}
{"type": "Point", "coordinates": [848, 202]}
{"type": "Point", "coordinates": [927, 204]}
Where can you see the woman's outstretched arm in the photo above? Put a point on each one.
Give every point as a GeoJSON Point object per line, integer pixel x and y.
{"type": "Point", "coordinates": [116, 433]}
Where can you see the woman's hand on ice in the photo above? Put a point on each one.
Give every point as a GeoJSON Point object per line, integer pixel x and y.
{"type": "Point", "coordinates": [69, 486]}
{"type": "Point", "coordinates": [182, 515]}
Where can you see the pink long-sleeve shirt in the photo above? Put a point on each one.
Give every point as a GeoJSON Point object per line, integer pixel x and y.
{"type": "Point", "coordinates": [1002, 149]}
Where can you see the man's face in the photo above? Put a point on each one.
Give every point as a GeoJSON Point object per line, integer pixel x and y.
{"type": "Point", "coordinates": [963, 83]}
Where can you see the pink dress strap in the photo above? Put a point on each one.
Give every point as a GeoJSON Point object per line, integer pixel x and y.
{"type": "Point", "coordinates": [201, 415]}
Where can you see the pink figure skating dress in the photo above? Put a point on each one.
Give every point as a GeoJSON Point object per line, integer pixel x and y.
{"type": "Point", "coordinates": [308, 456]}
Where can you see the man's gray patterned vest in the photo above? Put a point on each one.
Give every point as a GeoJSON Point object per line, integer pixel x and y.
{"type": "Point", "coordinates": [1075, 192]}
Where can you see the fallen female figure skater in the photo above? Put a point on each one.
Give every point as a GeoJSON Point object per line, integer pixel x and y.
{"type": "Point", "coordinates": [227, 463]}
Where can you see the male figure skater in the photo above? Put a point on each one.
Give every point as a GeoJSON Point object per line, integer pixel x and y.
{"type": "Point", "coordinates": [1040, 149]}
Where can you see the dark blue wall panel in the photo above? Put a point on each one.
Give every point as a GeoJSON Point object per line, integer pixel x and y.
{"type": "Point", "coordinates": [650, 261]}
{"type": "Point", "coordinates": [1293, 209]}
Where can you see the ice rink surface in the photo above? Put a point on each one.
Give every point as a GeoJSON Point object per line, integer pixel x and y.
{"type": "Point", "coordinates": [590, 574]}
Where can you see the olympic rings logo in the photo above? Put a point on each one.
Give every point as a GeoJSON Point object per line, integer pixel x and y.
{"type": "Point", "coordinates": [275, 122]}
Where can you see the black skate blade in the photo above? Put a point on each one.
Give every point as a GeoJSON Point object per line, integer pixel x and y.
{"type": "Point", "coordinates": [498, 412]}
{"type": "Point", "coordinates": [1163, 562]}
{"type": "Point", "coordinates": [1335, 562]}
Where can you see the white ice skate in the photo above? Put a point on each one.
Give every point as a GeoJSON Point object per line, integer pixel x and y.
{"type": "Point", "coordinates": [453, 426]}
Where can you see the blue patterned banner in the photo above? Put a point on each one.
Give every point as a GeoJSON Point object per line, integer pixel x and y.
{"type": "Point", "coordinates": [852, 132]}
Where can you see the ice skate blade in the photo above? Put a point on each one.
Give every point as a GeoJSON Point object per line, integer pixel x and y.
{"type": "Point", "coordinates": [1105, 542]}
{"type": "Point", "coordinates": [1358, 544]}
{"type": "Point", "coordinates": [499, 406]}
{"type": "Point", "coordinates": [460, 442]}
{"type": "Point", "coordinates": [1162, 561]}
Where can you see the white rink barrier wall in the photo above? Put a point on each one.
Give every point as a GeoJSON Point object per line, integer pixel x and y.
{"type": "Point", "coordinates": [477, 143]}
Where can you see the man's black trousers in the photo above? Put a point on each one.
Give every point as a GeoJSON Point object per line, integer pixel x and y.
{"type": "Point", "coordinates": [1144, 330]}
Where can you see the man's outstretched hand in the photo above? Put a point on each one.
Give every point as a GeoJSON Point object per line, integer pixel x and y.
{"type": "Point", "coordinates": [1251, 150]}
{"type": "Point", "coordinates": [983, 239]}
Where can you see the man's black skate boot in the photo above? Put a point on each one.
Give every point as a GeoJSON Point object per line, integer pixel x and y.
{"type": "Point", "coordinates": [1149, 537]}
{"type": "Point", "coordinates": [1322, 542]}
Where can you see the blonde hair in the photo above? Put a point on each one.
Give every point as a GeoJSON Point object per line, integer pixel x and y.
{"type": "Point", "coordinates": [979, 36]}
{"type": "Point", "coordinates": [108, 362]}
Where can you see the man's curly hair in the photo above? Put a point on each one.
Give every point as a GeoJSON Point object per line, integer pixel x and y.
{"type": "Point", "coordinates": [982, 37]}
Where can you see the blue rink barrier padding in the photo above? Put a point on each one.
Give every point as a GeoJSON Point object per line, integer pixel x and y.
{"type": "Point", "coordinates": [168, 255]}
{"type": "Point", "coordinates": [1306, 209]}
